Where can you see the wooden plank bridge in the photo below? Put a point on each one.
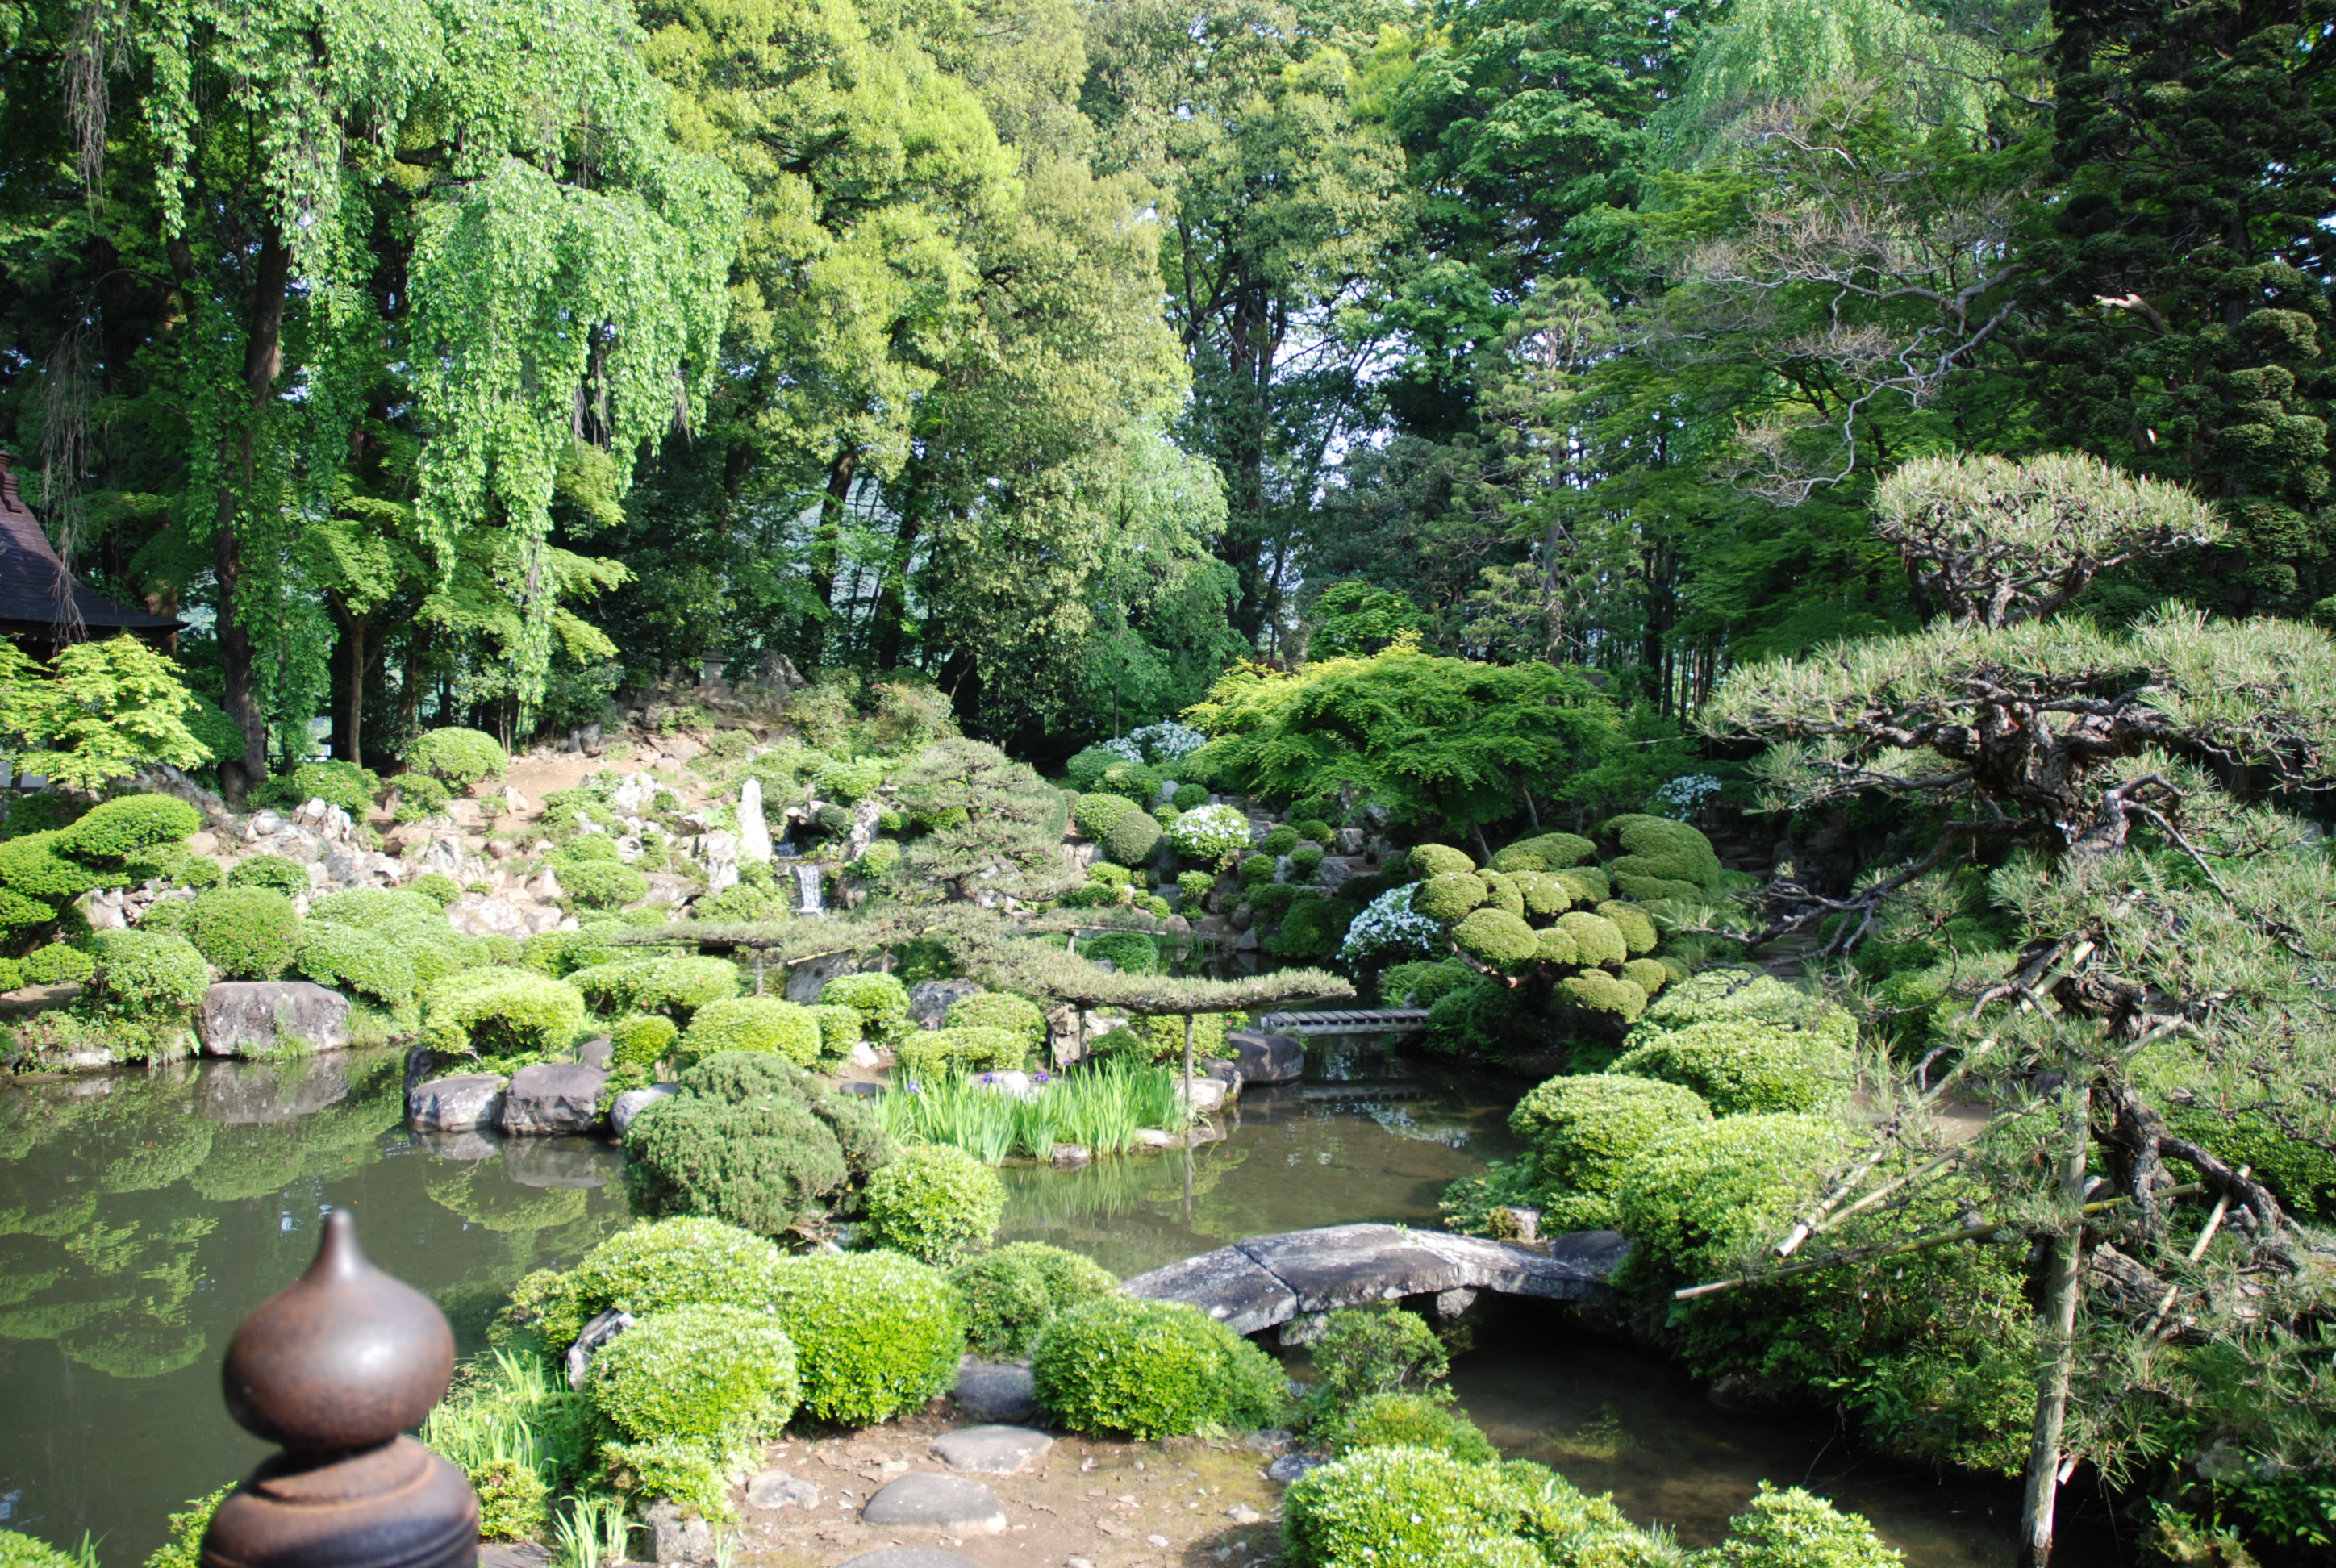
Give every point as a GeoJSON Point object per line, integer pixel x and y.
{"type": "Point", "coordinates": [1353, 1021]}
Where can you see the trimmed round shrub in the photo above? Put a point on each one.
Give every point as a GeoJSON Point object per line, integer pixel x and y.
{"type": "Point", "coordinates": [1696, 1197]}
{"type": "Point", "coordinates": [1555, 945]}
{"type": "Point", "coordinates": [1639, 933]}
{"type": "Point", "coordinates": [1404, 1419]}
{"type": "Point", "coordinates": [1498, 937]}
{"type": "Point", "coordinates": [655, 1268]}
{"type": "Point", "coordinates": [934, 1204]}
{"type": "Point", "coordinates": [762, 1164]}
{"type": "Point", "coordinates": [714, 1375]}
{"type": "Point", "coordinates": [499, 1012]}
{"type": "Point", "coordinates": [1649, 975]}
{"type": "Point", "coordinates": [56, 964]}
{"type": "Point", "coordinates": [1429, 861]}
{"type": "Point", "coordinates": [1129, 952]}
{"type": "Point", "coordinates": [1133, 840]}
{"type": "Point", "coordinates": [353, 959]}
{"type": "Point", "coordinates": [462, 757]}
{"type": "Point", "coordinates": [1597, 940]}
{"type": "Point", "coordinates": [376, 908]}
{"type": "Point", "coordinates": [12, 974]}
{"type": "Point", "coordinates": [1406, 1505]}
{"type": "Point", "coordinates": [1795, 1529]}
{"type": "Point", "coordinates": [1190, 798]}
{"type": "Point", "coordinates": [1000, 1010]}
{"type": "Point", "coordinates": [1375, 1350]}
{"type": "Point", "coordinates": [1583, 1131]}
{"type": "Point", "coordinates": [1153, 1370]}
{"type": "Point", "coordinates": [642, 1041]}
{"type": "Point", "coordinates": [419, 796]}
{"type": "Point", "coordinates": [601, 884]}
{"type": "Point", "coordinates": [1588, 884]}
{"type": "Point", "coordinates": [928, 1054]}
{"type": "Point", "coordinates": [147, 972]}
{"type": "Point", "coordinates": [1742, 1065]}
{"type": "Point", "coordinates": [1448, 896]}
{"type": "Point", "coordinates": [120, 828]}
{"type": "Point", "coordinates": [287, 876]}
{"type": "Point", "coordinates": [337, 784]}
{"type": "Point", "coordinates": [1193, 889]}
{"type": "Point", "coordinates": [1256, 871]}
{"type": "Point", "coordinates": [1548, 853]}
{"type": "Point", "coordinates": [875, 1333]}
{"type": "Point", "coordinates": [1314, 830]}
{"type": "Point", "coordinates": [1012, 1294]}
{"type": "Point", "coordinates": [839, 1029]}
{"type": "Point", "coordinates": [1543, 894]}
{"type": "Point", "coordinates": [247, 933]}
{"type": "Point", "coordinates": [764, 1023]}
{"type": "Point", "coordinates": [880, 1000]}
{"type": "Point", "coordinates": [1679, 844]}
{"type": "Point", "coordinates": [1304, 862]}
{"type": "Point", "coordinates": [1596, 991]}
{"type": "Point", "coordinates": [1748, 994]}
{"type": "Point", "coordinates": [437, 887]}
{"type": "Point", "coordinates": [1097, 814]}
{"type": "Point", "coordinates": [678, 987]}
{"type": "Point", "coordinates": [1213, 835]}
{"type": "Point", "coordinates": [32, 867]}
{"type": "Point", "coordinates": [1423, 980]}
{"type": "Point", "coordinates": [1501, 892]}
{"type": "Point", "coordinates": [196, 871]}
{"type": "Point", "coordinates": [1312, 929]}
{"type": "Point", "coordinates": [882, 858]}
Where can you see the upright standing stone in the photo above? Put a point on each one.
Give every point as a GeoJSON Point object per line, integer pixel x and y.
{"type": "Point", "coordinates": [754, 833]}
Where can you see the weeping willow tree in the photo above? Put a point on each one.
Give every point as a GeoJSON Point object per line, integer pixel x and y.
{"type": "Point", "coordinates": [2165, 1022]}
{"type": "Point", "coordinates": [459, 230]}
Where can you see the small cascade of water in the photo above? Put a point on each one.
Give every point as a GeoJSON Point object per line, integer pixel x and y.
{"type": "Point", "coordinates": [811, 896]}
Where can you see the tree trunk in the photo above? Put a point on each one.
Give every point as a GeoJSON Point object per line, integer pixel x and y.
{"type": "Point", "coordinates": [892, 605]}
{"type": "Point", "coordinates": [262, 360]}
{"type": "Point", "coordinates": [348, 682]}
{"type": "Point", "coordinates": [827, 549]}
{"type": "Point", "coordinates": [2059, 1322]}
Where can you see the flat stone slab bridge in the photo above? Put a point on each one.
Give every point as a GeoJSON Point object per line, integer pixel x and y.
{"type": "Point", "coordinates": [1347, 1021]}
{"type": "Point", "coordinates": [1266, 1281]}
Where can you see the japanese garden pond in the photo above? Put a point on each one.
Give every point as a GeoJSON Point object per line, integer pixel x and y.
{"type": "Point", "coordinates": [141, 1216]}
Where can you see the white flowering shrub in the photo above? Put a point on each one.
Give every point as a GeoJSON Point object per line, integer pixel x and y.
{"type": "Point", "coordinates": [1390, 924]}
{"type": "Point", "coordinates": [1214, 833]}
{"type": "Point", "coordinates": [1169, 742]}
{"type": "Point", "coordinates": [1122, 747]}
{"type": "Point", "coordinates": [1684, 796]}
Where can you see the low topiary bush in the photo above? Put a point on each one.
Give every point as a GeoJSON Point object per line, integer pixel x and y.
{"type": "Point", "coordinates": [437, 887]}
{"type": "Point", "coordinates": [1153, 1370]}
{"type": "Point", "coordinates": [121, 827]}
{"type": "Point", "coordinates": [1097, 814]}
{"type": "Point", "coordinates": [1407, 1506]}
{"type": "Point", "coordinates": [1423, 980]}
{"type": "Point", "coordinates": [880, 1000]}
{"type": "Point", "coordinates": [1742, 1065]}
{"type": "Point", "coordinates": [1189, 797]}
{"type": "Point", "coordinates": [57, 965]}
{"type": "Point", "coordinates": [649, 1268]}
{"type": "Point", "coordinates": [642, 1041]}
{"type": "Point", "coordinates": [1366, 1351]}
{"type": "Point", "coordinates": [1497, 938]}
{"type": "Point", "coordinates": [1256, 871]}
{"type": "Point", "coordinates": [1012, 1294]}
{"type": "Point", "coordinates": [287, 876]}
{"type": "Point", "coordinates": [1408, 1420]}
{"type": "Point", "coordinates": [1448, 896]}
{"type": "Point", "coordinates": [462, 757]}
{"type": "Point", "coordinates": [337, 784]}
{"type": "Point", "coordinates": [40, 878]}
{"type": "Point", "coordinates": [1278, 841]}
{"type": "Point", "coordinates": [247, 933]}
{"type": "Point", "coordinates": [601, 884]}
{"type": "Point", "coordinates": [1431, 860]}
{"type": "Point", "coordinates": [500, 1013]}
{"type": "Point", "coordinates": [1211, 834]}
{"type": "Point", "coordinates": [839, 1029]}
{"type": "Point", "coordinates": [1608, 997]}
{"type": "Point", "coordinates": [1000, 1010]}
{"type": "Point", "coordinates": [1192, 889]}
{"type": "Point", "coordinates": [1133, 840]}
{"type": "Point", "coordinates": [749, 1139]}
{"type": "Point", "coordinates": [875, 1333]}
{"type": "Point", "coordinates": [144, 973]}
{"type": "Point", "coordinates": [678, 987]}
{"type": "Point", "coordinates": [764, 1024]}
{"type": "Point", "coordinates": [1129, 952]}
{"type": "Point", "coordinates": [419, 796]}
{"type": "Point", "coordinates": [710, 1374]}
{"type": "Point", "coordinates": [1795, 1529]}
{"type": "Point", "coordinates": [1741, 993]}
{"type": "Point", "coordinates": [376, 908]}
{"type": "Point", "coordinates": [350, 959]}
{"type": "Point", "coordinates": [1639, 933]}
{"type": "Point", "coordinates": [934, 1204]}
{"type": "Point", "coordinates": [1693, 1198]}
{"type": "Point", "coordinates": [1584, 1131]}
{"type": "Point", "coordinates": [928, 1054]}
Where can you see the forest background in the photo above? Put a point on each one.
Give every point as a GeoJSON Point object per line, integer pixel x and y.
{"type": "Point", "coordinates": [467, 361]}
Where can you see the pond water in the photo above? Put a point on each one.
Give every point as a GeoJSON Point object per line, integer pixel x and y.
{"type": "Point", "coordinates": [141, 1217]}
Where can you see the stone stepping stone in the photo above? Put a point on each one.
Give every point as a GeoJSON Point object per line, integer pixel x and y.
{"type": "Point", "coordinates": [990, 1450]}
{"type": "Point", "coordinates": [995, 1390]}
{"type": "Point", "coordinates": [935, 1500]}
{"type": "Point", "coordinates": [777, 1489]}
{"type": "Point", "coordinates": [909, 1557]}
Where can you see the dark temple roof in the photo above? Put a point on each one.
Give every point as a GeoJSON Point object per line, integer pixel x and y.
{"type": "Point", "coordinates": [33, 582]}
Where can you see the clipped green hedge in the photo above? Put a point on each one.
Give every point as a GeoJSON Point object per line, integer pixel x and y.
{"type": "Point", "coordinates": [875, 1333]}
{"type": "Point", "coordinates": [276, 872]}
{"type": "Point", "coordinates": [928, 1054]}
{"type": "Point", "coordinates": [1133, 840]}
{"type": "Point", "coordinates": [880, 1000]}
{"type": "Point", "coordinates": [934, 1204]}
{"type": "Point", "coordinates": [349, 958]}
{"type": "Point", "coordinates": [499, 1012]}
{"type": "Point", "coordinates": [1402, 1418]}
{"type": "Point", "coordinates": [31, 868]}
{"type": "Point", "coordinates": [1097, 814]}
{"type": "Point", "coordinates": [1000, 1010]}
{"type": "Point", "coordinates": [839, 1029]}
{"type": "Point", "coordinates": [601, 884]}
{"type": "Point", "coordinates": [1743, 1064]}
{"type": "Point", "coordinates": [764, 1024]}
{"type": "Point", "coordinates": [1153, 1370]}
{"type": "Point", "coordinates": [376, 908]}
{"type": "Point", "coordinates": [1583, 1132]}
{"type": "Point", "coordinates": [1014, 1291]}
{"type": "Point", "coordinates": [144, 973]}
{"type": "Point", "coordinates": [711, 1374]}
{"type": "Point", "coordinates": [1692, 1199]}
{"type": "Point", "coordinates": [55, 964]}
{"type": "Point", "coordinates": [642, 1041]}
{"type": "Point", "coordinates": [247, 933]}
{"type": "Point", "coordinates": [653, 1268]}
{"type": "Point", "coordinates": [462, 757]}
{"type": "Point", "coordinates": [120, 828]}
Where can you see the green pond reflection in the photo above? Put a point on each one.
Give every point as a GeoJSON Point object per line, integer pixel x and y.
{"type": "Point", "coordinates": [141, 1217]}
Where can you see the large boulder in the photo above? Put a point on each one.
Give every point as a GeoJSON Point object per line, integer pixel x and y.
{"type": "Point", "coordinates": [930, 1000]}
{"type": "Point", "coordinates": [464, 1103]}
{"type": "Point", "coordinates": [252, 1018]}
{"type": "Point", "coordinates": [553, 1098]}
{"type": "Point", "coordinates": [1267, 1058]}
{"type": "Point", "coordinates": [633, 1102]}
